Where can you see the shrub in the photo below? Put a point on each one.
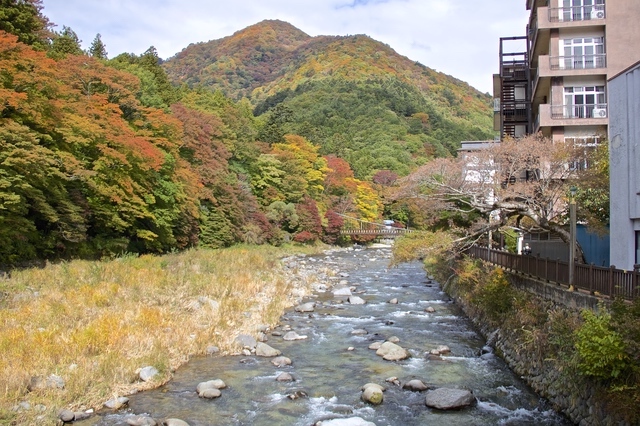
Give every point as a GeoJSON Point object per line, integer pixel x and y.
{"type": "Point", "coordinates": [601, 350]}
{"type": "Point", "coordinates": [496, 296]}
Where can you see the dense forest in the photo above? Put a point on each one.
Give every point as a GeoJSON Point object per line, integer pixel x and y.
{"type": "Point", "coordinates": [262, 137]}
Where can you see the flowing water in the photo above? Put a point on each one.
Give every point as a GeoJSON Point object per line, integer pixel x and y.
{"type": "Point", "coordinates": [331, 375]}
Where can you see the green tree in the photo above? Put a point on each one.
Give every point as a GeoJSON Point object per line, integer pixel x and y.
{"type": "Point", "coordinates": [98, 49]}
{"type": "Point", "coordinates": [65, 43]}
{"type": "Point", "coordinates": [24, 19]}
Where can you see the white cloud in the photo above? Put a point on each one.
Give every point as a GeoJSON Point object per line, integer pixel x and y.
{"type": "Point", "coordinates": [457, 37]}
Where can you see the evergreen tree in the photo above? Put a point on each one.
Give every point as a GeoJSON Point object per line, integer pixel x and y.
{"type": "Point", "coordinates": [23, 19]}
{"type": "Point", "coordinates": [98, 49]}
{"type": "Point", "coordinates": [65, 43]}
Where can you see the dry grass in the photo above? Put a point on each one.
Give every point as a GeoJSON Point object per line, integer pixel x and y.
{"type": "Point", "coordinates": [96, 323]}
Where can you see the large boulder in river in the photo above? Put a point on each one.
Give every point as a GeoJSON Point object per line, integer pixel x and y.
{"type": "Point", "coordinates": [264, 350]}
{"type": "Point", "coordinates": [449, 399]}
{"type": "Point", "coordinates": [355, 300]}
{"type": "Point", "coordinates": [392, 352]}
{"type": "Point", "coordinates": [344, 291]}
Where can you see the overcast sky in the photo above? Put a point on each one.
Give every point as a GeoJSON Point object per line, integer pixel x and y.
{"type": "Point", "coordinates": [457, 37]}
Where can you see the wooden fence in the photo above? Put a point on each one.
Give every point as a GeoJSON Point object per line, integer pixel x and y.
{"type": "Point", "coordinates": [609, 282]}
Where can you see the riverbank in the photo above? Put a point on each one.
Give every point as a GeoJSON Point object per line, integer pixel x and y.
{"type": "Point", "coordinates": [76, 334]}
{"type": "Point", "coordinates": [573, 358]}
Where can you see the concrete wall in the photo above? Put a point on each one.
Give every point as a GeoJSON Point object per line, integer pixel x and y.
{"type": "Point", "coordinates": [622, 35]}
{"type": "Point", "coordinates": [624, 155]}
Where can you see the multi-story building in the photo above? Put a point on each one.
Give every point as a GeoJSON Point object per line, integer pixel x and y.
{"type": "Point", "coordinates": [557, 83]}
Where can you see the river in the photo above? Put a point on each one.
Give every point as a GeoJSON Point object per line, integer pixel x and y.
{"type": "Point", "coordinates": [332, 364]}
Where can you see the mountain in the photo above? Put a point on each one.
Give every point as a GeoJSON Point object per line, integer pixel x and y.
{"type": "Point", "coordinates": [351, 95]}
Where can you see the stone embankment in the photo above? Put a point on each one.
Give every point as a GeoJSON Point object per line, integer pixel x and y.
{"type": "Point", "coordinates": [571, 394]}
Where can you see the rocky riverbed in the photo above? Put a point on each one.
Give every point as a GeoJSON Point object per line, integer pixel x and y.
{"type": "Point", "coordinates": [362, 345]}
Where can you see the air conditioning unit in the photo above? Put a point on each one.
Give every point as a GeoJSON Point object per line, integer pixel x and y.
{"type": "Point", "coordinates": [597, 14]}
{"type": "Point", "coordinates": [599, 113]}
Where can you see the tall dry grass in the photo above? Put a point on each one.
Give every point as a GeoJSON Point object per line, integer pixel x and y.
{"type": "Point", "coordinates": [96, 323]}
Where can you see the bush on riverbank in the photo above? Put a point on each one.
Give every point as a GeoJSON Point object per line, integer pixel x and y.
{"type": "Point", "coordinates": [95, 323]}
{"type": "Point", "coordinates": [564, 355]}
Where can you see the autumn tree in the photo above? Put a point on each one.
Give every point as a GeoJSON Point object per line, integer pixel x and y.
{"type": "Point", "coordinates": [520, 182]}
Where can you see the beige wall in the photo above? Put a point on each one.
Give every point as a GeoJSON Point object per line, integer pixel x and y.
{"type": "Point", "coordinates": [622, 35]}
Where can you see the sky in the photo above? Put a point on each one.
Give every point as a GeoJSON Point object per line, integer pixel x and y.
{"type": "Point", "coordinates": [457, 37]}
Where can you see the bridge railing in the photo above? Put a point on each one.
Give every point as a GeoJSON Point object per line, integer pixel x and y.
{"type": "Point", "coordinates": [610, 282]}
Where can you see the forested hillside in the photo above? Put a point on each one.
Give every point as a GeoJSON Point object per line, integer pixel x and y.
{"type": "Point", "coordinates": [352, 96]}
{"type": "Point", "coordinates": [275, 135]}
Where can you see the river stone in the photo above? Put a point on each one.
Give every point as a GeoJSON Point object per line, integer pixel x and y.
{"type": "Point", "coordinates": [306, 307]}
{"type": "Point", "coordinates": [67, 415]}
{"type": "Point", "coordinates": [393, 339]}
{"type": "Point", "coordinates": [80, 415]}
{"type": "Point", "coordinates": [116, 403]}
{"type": "Point", "coordinates": [210, 393]}
{"type": "Point", "coordinates": [352, 421]}
{"type": "Point", "coordinates": [141, 421]}
{"type": "Point", "coordinates": [210, 384]}
{"type": "Point", "coordinates": [415, 385]}
{"type": "Point", "coordinates": [292, 335]}
{"type": "Point", "coordinates": [148, 373]}
{"type": "Point", "coordinates": [375, 345]}
{"type": "Point", "coordinates": [246, 341]}
{"type": "Point", "coordinates": [375, 385]}
{"type": "Point", "coordinates": [392, 352]}
{"type": "Point", "coordinates": [440, 350]}
{"type": "Point", "coordinates": [372, 395]}
{"type": "Point", "coordinates": [345, 291]}
{"type": "Point", "coordinates": [355, 300]}
{"type": "Point", "coordinates": [175, 422]}
{"type": "Point", "coordinates": [393, 301]}
{"type": "Point", "coordinates": [281, 361]}
{"type": "Point", "coordinates": [449, 399]}
{"type": "Point", "coordinates": [285, 377]}
{"type": "Point", "coordinates": [212, 350]}
{"type": "Point", "coordinates": [264, 350]}
{"type": "Point", "coordinates": [430, 310]}
{"type": "Point", "coordinates": [359, 332]}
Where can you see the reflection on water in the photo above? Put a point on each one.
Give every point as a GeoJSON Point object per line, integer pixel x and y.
{"type": "Point", "coordinates": [331, 375]}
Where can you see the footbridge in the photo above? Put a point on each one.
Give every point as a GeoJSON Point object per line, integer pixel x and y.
{"type": "Point", "coordinates": [355, 226]}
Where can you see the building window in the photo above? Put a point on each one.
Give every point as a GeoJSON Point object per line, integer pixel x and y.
{"type": "Point", "coordinates": [580, 10]}
{"type": "Point", "coordinates": [584, 102]}
{"type": "Point", "coordinates": [583, 53]}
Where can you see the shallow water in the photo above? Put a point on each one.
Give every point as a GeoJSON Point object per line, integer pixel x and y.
{"type": "Point", "coordinates": [332, 376]}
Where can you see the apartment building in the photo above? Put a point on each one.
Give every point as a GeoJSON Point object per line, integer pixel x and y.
{"type": "Point", "coordinates": [555, 81]}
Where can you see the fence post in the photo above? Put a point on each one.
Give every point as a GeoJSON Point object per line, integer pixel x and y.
{"type": "Point", "coordinates": [611, 269]}
{"type": "Point", "coordinates": [591, 279]}
{"type": "Point", "coordinates": [558, 271]}
{"type": "Point", "coordinates": [634, 286]}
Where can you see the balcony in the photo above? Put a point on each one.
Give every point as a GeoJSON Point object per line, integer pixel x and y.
{"type": "Point", "coordinates": [571, 115]}
{"type": "Point", "coordinates": [584, 62]}
{"type": "Point", "coordinates": [577, 14]}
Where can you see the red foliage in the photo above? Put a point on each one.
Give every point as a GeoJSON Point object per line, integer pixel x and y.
{"type": "Point", "coordinates": [385, 178]}
{"type": "Point", "coordinates": [333, 227]}
{"type": "Point", "coordinates": [309, 219]}
{"type": "Point", "coordinates": [305, 237]}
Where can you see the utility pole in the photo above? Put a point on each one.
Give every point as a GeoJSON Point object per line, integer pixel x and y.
{"type": "Point", "coordinates": [572, 233]}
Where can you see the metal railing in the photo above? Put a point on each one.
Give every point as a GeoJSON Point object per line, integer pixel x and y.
{"type": "Point", "coordinates": [577, 13]}
{"type": "Point", "coordinates": [599, 281]}
{"type": "Point", "coordinates": [579, 111]}
{"type": "Point", "coordinates": [582, 62]}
